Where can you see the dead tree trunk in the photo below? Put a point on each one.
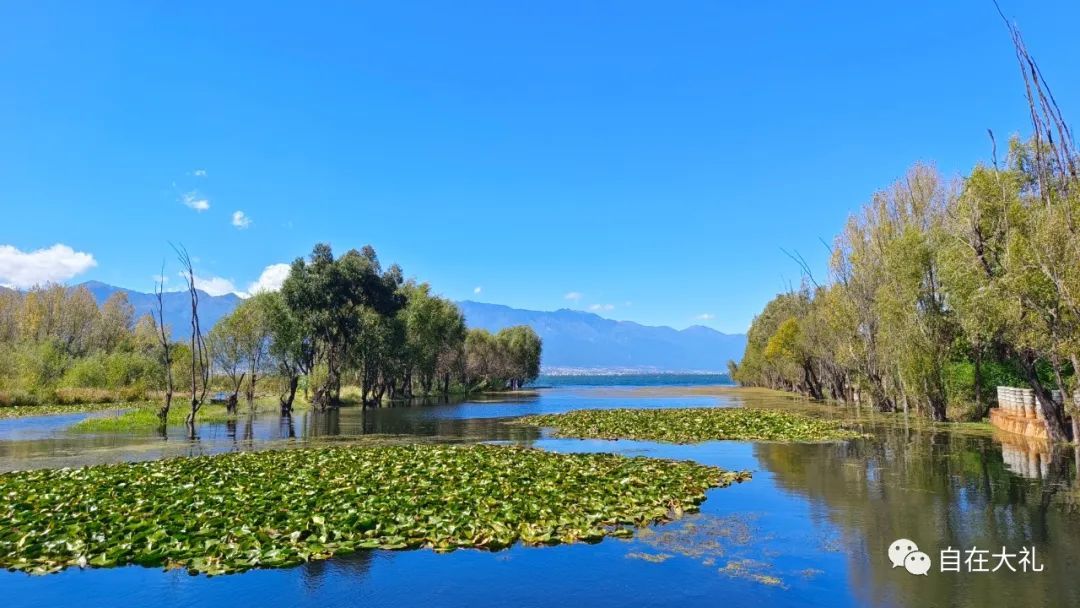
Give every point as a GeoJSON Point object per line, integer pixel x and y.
{"type": "Point", "coordinates": [200, 356]}
{"type": "Point", "coordinates": [166, 349]}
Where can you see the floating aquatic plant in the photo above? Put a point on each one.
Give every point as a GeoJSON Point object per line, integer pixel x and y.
{"type": "Point", "coordinates": [233, 512]}
{"type": "Point", "coordinates": [689, 425]}
{"type": "Point", "coordinates": [25, 411]}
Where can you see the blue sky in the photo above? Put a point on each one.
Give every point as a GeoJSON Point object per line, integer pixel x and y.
{"type": "Point", "coordinates": [650, 158]}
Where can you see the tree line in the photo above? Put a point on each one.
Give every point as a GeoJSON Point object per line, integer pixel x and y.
{"type": "Point", "coordinates": [56, 340]}
{"type": "Point", "coordinates": [345, 320]}
{"type": "Point", "coordinates": [336, 322]}
{"type": "Point", "coordinates": [939, 290]}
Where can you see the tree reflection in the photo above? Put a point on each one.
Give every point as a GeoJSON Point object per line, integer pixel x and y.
{"type": "Point", "coordinates": [940, 489]}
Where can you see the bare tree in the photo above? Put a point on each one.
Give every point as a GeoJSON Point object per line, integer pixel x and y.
{"type": "Point", "coordinates": [200, 356]}
{"type": "Point", "coordinates": [166, 348]}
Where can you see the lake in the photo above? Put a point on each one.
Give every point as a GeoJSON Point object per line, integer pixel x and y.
{"type": "Point", "coordinates": [812, 528]}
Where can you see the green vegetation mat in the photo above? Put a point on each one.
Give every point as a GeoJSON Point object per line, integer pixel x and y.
{"type": "Point", "coordinates": [144, 418]}
{"type": "Point", "coordinates": [24, 411]}
{"type": "Point", "coordinates": [233, 512]}
{"type": "Point", "coordinates": [690, 425]}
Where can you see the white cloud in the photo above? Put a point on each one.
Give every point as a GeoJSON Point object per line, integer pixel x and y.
{"type": "Point", "coordinates": [705, 316]}
{"type": "Point", "coordinates": [573, 296]}
{"type": "Point", "coordinates": [199, 172]}
{"type": "Point", "coordinates": [271, 278]}
{"type": "Point", "coordinates": [215, 286]}
{"type": "Point", "coordinates": [23, 269]}
{"type": "Point", "coordinates": [602, 307]}
{"type": "Point", "coordinates": [195, 201]}
{"type": "Point", "coordinates": [477, 290]}
{"type": "Point", "coordinates": [240, 220]}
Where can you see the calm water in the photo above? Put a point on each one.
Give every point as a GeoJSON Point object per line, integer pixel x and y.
{"type": "Point", "coordinates": [810, 529]}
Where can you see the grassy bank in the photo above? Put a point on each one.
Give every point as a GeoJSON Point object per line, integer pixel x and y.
{"type": "Point", "coordinates": [690, 425]}
{"type": "Point", "coordinates": [234, 512]}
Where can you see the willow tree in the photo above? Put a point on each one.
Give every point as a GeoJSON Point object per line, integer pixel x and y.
{"type": "Point", "coordinates": [520, 347]}
{"type": "Point", "coordinates": [227, 355]}
{"type": "Point", "coordinates": [434, 329]}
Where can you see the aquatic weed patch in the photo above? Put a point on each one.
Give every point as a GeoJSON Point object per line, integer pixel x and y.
{"type": "Point", "coordinates": [690, 425]}
{"type": "Point", "coordinates": [233, 512]}
{"type": "Point", "coordinates": [52, 409]}
{"type": "Point", "coordinates": [144, 417]}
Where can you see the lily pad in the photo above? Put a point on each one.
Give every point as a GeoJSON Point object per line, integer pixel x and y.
{"type": "Point", "coordinates": [691, 425]}
{"type": "Point", "coordinates": [233, 512]}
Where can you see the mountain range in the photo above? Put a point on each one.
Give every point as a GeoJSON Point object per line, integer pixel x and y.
{"type": "Point", "coordinates": [574, 340]}
{"type": "Point", "coordinates": [588, 342]}
{"type": "Point", "coordinates": [177, 305]}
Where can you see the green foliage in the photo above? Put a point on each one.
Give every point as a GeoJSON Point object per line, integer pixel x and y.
{"type": "Point", "coordinates": [521, 353]}
{"type": "Point", "coordinates": [336, 321]}
{"type": "Point", "coordinates": [938, 288]}
{"type": "Point", "coordinates": [233, 512]}
{"type": "Point", "coordinates": [510, 358]}
{"type": "Point", "coordinates": [56, 338]}
{"type": "Point", "coordinates": [144, 419]}
{"type": "Point", "coordinates": [692, 425]}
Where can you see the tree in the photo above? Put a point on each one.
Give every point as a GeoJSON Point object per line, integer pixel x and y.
{"type": "Point", "coordinates": [434, 331]}
{"type": "Point", "coordinates": [327, 296]}
{"type": "Point", "coordinates": [225, 342]}
{"type": "Point", "coordinates": [166, 350]}
{"type": "Point", "coordinates": [520, 348]}
{"type": "Point", "coordinates": [200, 355]}
{"type": "Point", "coordinates": [290, 348]}
{"type": "Point", "coordinates": [248, 327]}
{"type": "Point", "coordinates": [114, 324]}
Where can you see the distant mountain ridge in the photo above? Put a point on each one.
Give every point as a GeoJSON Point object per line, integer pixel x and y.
{"type": "Point", "coordinates": [573, 339]}
{"type": "Point", "coordinates": [585, 341]}
{"type": "Point", "coordinates": [177, 306]}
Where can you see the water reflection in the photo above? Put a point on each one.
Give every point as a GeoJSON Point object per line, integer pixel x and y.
{"type": "Point", "coordinates": [940, 490]}
{"type": "Point", "coordinates": [45, 441]}
{"type": "Point", "coordinates": [811, 528]}
{"type": "Point", "coordinates": [1024, 456]}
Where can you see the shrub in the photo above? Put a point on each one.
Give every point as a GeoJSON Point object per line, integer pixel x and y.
{"type": "Point", "coordinates": [131, 369]}
{"type": "Point", "coordinates": [17, 397]}
{"type": "Point", "coordinates": [132, 393]}
{"type": "Point", "coordinates": [81, 396]}
{"type": "Point", "coordinates": [88, 372]}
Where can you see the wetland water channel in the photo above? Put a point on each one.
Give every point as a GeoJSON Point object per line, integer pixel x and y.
{"type": "Point", "coordinates": [812, 528]}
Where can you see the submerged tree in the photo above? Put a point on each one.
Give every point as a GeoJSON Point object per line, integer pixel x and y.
{"type": "Point", "coordinates": [200, 355]}
{"type": "Point", "coordinates": [228, 357]}
{"type": "Point", "coordinates": [290, 348]}
{"type": "Point", "coordinates": [166, 350]}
